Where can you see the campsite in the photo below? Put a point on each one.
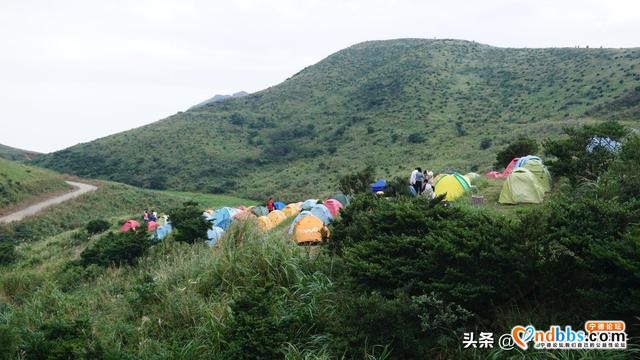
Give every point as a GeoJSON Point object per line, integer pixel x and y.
{"type": "Point", "coordinates": [302, 180]}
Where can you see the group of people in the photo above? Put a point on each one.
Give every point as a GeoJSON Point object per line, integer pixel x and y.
{"type": "Point", "coordinates": [149, 216]}
{"type": "Point", "coordinates": [422, 182]}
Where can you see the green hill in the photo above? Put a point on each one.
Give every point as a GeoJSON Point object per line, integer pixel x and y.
{"type": "Point", "coordinates": [21, 183]}
{"type": "Point", "coordinates": [10, 153]}
{"type": "Point", "coordinates": [440, 104]}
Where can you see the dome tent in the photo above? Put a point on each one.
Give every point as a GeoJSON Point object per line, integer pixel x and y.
{"type": "Point", "coordinates": [223, 217]}
{"type": "Point", "coordinates": [453, 185]}
{"type": "Point", "coordinates": [521, 187]}
{"type": "Point", "coordinates": [129, 225]}
{"type": "Point", "coordinates": [309, 229]}
{"type": "Point", "coordinates": [297, 218]}
{"type": "Point", "coordinates": [344, 199]}
{"type": "Point", "coordinates": [291, 209]}
{"type": "Point", "coordinates": [279, 205]}
{"type": "Point", "coordinates": [276, 217]}
{"type": "Point", "coordinates": [260, 210]}
{"type": "Point", "coordinates": [264, 223]}
{"type": "Point", "coordinates": [380, 185]}
{"type": "Point", "coordinates": [214, 235]}
{"type": "Point", "coordinates": [334, 206]}
{"type": "Point", "coordinates": [308, 204]}
{"type": "Point", "coordinates": [320, 211]}
{"type": "Point", "coordinates": [541, 173]}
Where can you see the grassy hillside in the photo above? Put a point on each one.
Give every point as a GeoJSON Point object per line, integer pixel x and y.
{"type": "Point", "coordinates": [397, 104]}
{"type": "Point", "coordinates": [20, 183]}
{"type": "Point", "coordinates": [113, 202]}
{"type": "Point", "coordinates": [10, 153]}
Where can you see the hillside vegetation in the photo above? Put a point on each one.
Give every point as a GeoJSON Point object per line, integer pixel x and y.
{"type": "Point", "coordinates": [439, 104]}
{"type": "Point", "coordinates": [399, 278]}
{"type": "Point", "coordinates": [10, 153]}
{"type": "Point", "coordinates": [20, 183]}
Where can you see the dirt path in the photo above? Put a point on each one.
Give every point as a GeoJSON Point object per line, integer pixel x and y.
{"type": "Point", "coordinates": [81, 188]}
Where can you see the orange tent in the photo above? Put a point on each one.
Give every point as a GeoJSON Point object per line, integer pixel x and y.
{"type": "Point", "coordinates": [309, 230]}
{"type": "Point", "coordinates": [276, 217]}
{"type": "Point", "coordinates": [264, 223]}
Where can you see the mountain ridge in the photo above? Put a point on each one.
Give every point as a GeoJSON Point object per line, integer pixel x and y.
{"type": "Point", "coordinates": [393, 103]}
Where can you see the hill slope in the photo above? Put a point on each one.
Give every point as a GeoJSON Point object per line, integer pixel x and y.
{"type": "Point", "coordinates": [21, 183]}
{"type": "Point", "coordinates": [10, 153]}
{"type": "Point", "coordinates": [397, 104]}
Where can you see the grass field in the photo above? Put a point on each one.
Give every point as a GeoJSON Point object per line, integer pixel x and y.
{"type": "Point", "coordinates": [21, 183]}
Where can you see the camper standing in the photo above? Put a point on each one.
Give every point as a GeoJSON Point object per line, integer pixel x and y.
{"type": "Point", "coordinates": [270, 204]}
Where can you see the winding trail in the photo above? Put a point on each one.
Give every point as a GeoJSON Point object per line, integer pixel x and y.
{"type": "Point", "coordinates": [81, 188]}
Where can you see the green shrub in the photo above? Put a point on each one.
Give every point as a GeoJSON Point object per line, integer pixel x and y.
{"type": "Point", "coordinates": [97, 226]}
{"type": "Point", "coordinates": [518, 148]}
{"type": "Point", "coordinates": [357, 183]}
{"type": "Point", "coordinates": [191, 226]}
{"type": "Point", "coordinates": [622, 179]}
{"type": "Point", "coordinates": [415, 138]}
{"type": "Point", "coordinates": [60, 339]}
{"type": "Point", "coordinates": [117, 248]}
{"type": "Point", "coordinates": [421, 247]}
{"type": "Point", "coordinates": [572, 158]}
{"type": "Point", "coordinates": [586, 256]}
{"type": "Point", "coordinates": [7, 252]}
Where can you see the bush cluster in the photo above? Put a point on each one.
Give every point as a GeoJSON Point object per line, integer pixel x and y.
{"type": "Point", "coordinates": [117, 249]}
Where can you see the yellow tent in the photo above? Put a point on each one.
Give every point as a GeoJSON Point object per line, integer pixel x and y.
{"type": "Point", "coordinates": [454, 185]}
{"type": "Point", "coordinates": [291, 210]}
{"type": "Point", "coordinates": [541, 173]}
{"type": "Point", "coordinates": [309, 230]}
{"type": "Point", "coordinates": [276, 217]}
{"type": "Point", "coordinates": [264, 223]}
{"type": "Point", "coordinates": [521, 186]}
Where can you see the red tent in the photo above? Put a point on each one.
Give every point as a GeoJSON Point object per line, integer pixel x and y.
{"type": "Point", "coordinates": [129, 225]}
{"type": "Point", "coordinates": [333, 206]}
{"type": "Point", "coordinates": [506, 172]}
{"type": "Point", "coordinates": [152, 226]}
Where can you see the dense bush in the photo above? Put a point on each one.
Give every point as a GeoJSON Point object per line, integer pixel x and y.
{"type": "Point", "coordinates": [572, 159]}
{"type": "Point", "coordinates": [191, 226]}
{"type": "Point", "coordinates": [97, 226]}
{"type": "Point", "coordinates": [517, 148]}
{"type": "Point", "coordinates": [7, 246]}
{"type": "Point", "coordinates": [357, 183]}
{"type": "Point", "coordinates": [622, 179]}
{"type": "Point", "coordinates": [587, 256]}
{"type": "Point", "coordinates": [117, 248]}
{"type": "Point", "coordinates": [59, 339]}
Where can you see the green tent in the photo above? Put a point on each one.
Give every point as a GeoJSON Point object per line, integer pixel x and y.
{"type": "Point", "coordinates": [540, 172]}
{"type": "Point", "coordinates": [521, 186]}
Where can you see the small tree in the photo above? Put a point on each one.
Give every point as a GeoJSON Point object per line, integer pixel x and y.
{"type": "Point", "coordinates": [357, 183]}
{"type": "Point", "coordinates": [191, 226]}
{"type": "Point", "coordinates": [518, 148]}
{"type": "Point", "coordinates": [572, 158]}
{"type": "Point", "coordinates": [415, 138]}
{"type": "Point", "coordinates": [97, 226]}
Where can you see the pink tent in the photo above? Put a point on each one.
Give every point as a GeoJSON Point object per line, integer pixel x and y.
{"type": "Point", "coordinates": [333, 206]}
{"type": "Point", "coordinates": [152, 226]}
{"type": "Point", "coordinates": [507, 171]}
{"type": "Point", "coordinates": [129, 225]}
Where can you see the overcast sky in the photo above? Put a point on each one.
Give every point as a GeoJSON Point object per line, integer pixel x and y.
{"type": "Point", "coordinates": [73, 71]}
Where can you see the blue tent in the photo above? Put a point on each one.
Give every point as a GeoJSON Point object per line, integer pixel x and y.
{"type": "Point", "coordinates": [603, 142]}
{"type": "Point", "coordinates": [223, 217]}
{"type": "Point", "coordinates": [308, 204]}
{"type": "Point", "coordinates": [214, 234]}
{"type": "Point", "coordinates": [380, 185]}
{"type": "Point", "coordinates": [163, 231]}
{"type": "Point", "coordinates": [297, 218]}
{"type": "Point", "coordinates": [279, 205]}
{"type": "Point", "coordinates": [523, 160]}
{"type": "Point", "coordinates": [321, 212]}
